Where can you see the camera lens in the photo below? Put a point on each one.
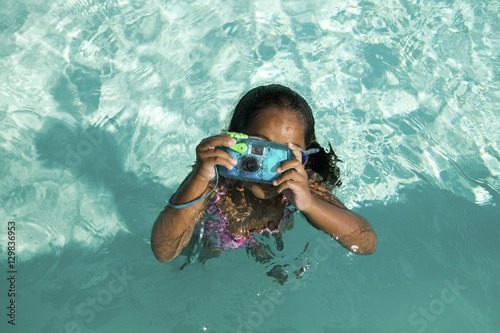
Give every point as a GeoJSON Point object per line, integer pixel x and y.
{"type": "Point", "coordinates": [250, 164]}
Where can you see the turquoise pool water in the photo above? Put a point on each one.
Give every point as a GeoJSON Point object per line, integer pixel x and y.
{"type": "Point", "coordinates": [103, 102]}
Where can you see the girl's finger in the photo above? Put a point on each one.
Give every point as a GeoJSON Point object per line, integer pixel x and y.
{"type": "Point", "coordinates": [217, 160]}
{"type": "Point", "coordinates": [214, 141]}
{"type": "Point", "coordinates": [296, 152]}
{"type": "Point", "coordinates": [216, 154]}
{"type": "Point", "coordinates": [288, 184]}
{"type": "Point", "coordinates": [292, 164]}
{"type": "Point", "coordinates": [290, 175]}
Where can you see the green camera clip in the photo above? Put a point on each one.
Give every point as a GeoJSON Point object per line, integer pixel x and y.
{"type": "Point", "coordinates": [240, 147]}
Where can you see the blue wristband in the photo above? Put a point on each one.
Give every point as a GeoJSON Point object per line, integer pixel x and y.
{"type": "Point", "coordinates": [171, 205]}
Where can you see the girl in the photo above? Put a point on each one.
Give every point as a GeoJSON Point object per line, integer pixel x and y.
{"type": "Point", "coordinates": [235, 209]}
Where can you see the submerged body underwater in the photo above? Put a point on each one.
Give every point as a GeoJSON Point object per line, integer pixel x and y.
{"type": "Point", "coordinates": [102, 104]}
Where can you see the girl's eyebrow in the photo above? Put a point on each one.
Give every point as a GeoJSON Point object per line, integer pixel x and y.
{"type": "Point", "coordinates": [259, 136]}
{"type": "Point", "coordinates": [266, 138]}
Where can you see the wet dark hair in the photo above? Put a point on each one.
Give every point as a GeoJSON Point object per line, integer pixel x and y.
{"type": "Point", "coordinates": [274, 95]}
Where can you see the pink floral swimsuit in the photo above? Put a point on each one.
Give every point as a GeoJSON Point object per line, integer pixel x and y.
{"type": "Point", "coordinates": [214, 224]}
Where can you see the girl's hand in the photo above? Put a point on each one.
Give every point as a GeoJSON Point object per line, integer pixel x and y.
{"type": "Point", "coordinates": [294, 182]}
{"type": "Point", "coordinates": [207, 156]}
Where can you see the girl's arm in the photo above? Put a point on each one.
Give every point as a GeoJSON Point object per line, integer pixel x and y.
{"type": "Point", "coordinates": [173, 228]}
{"type": "Point", "coordinates": [327, 213]}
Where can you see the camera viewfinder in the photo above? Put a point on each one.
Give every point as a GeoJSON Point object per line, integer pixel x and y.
{"type": "Point", "coordinates": [257, 150]}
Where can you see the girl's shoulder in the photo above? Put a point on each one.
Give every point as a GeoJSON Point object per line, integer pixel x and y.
{"type": "Point", "coordinates": [314, 177]}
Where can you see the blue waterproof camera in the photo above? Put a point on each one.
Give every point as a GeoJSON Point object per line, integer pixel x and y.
{"type": "Point", "coordinates": [257, 159]}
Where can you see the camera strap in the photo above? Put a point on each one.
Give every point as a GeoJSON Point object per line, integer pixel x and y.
{"type": "Point", "coordinates": [308, 152]}
{"type": "Point", "coordinates": [171, 205]}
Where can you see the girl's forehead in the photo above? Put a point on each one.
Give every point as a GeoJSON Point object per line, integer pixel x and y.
{"type": "Point", "coordinates": [277, 115]}
{"type": "Point", "coordinates": [278, 125]}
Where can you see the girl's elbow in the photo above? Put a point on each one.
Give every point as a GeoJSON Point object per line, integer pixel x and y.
{"type": "Point", "coordinates": [162, 259]}
{"type": "Point", "coordinates": [369, 243]}
{"type": "Point", "coordinates": [162, 256]}
{"type": "Point", "coordinates": [364, 243]}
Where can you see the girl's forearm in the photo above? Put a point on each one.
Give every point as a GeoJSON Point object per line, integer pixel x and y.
{"type": "Point", "coordinates": [169, 235]}
{"type": "Point", "coordinates": [351, 230]}
{"type": "Point", "coordinates": [173, 228]}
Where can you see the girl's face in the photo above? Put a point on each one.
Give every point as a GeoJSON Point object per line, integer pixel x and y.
{"type": "Point", "coordinates": [278, 125]}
